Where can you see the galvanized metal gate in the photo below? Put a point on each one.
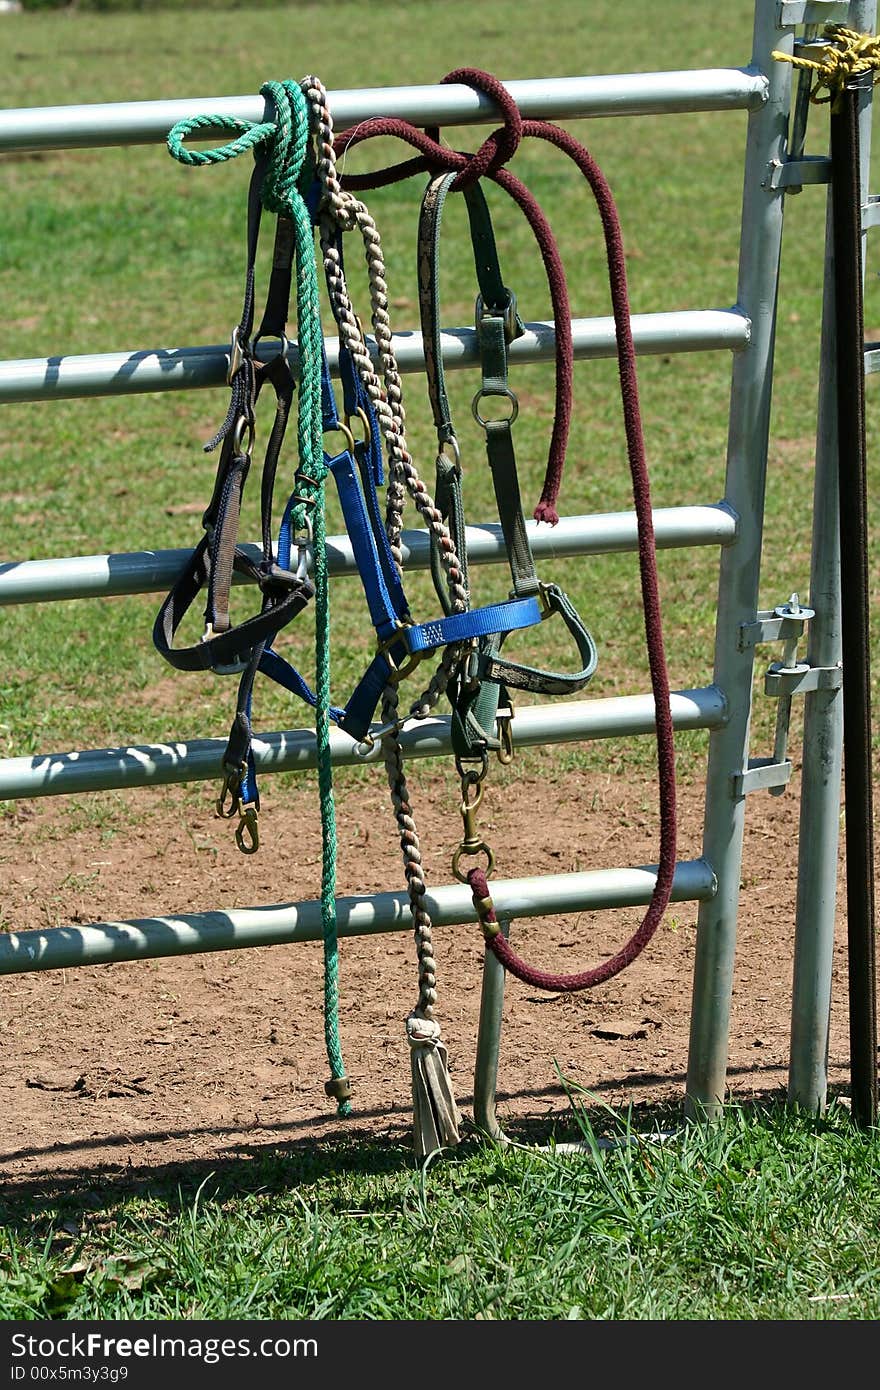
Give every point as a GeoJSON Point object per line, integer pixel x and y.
{"type": "Point", "coordinates": [773, 164]}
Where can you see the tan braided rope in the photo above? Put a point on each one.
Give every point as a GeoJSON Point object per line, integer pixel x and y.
{"type": "Point", "coordinates": [845, 55]}
{"type": "Point", "coordinates": [342, 211]}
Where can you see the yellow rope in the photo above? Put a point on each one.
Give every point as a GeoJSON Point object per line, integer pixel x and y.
{"type": "Point", "coordinates": [846, 54]}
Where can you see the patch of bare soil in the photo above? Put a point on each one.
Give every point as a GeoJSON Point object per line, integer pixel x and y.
{"type": "Point", "coordinates": [115, 1072]}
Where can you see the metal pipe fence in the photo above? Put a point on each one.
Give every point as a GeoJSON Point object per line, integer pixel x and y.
{"type": "Point", "coordinates": [762, 89]}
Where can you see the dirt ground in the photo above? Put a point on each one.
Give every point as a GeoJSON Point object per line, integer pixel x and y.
{"type": "Point", "coordinates": [134, 1069]}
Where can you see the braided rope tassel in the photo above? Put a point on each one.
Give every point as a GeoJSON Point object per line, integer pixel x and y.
{"type": "Point", "coordinates": [435, 1114]}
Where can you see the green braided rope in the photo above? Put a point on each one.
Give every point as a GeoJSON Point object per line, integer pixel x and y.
{"type": "Point", "coordinates": [251, 136]}
{"type": "Point", "coordinates": [289, 171]}
{"type": "Point", "coordinates": [281, 195]}
{"type": "Point", "coordinates": [328, 808]}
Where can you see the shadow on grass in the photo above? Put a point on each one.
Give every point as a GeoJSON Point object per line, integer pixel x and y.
{"type": "Point", "coordinates": [34, 1206]}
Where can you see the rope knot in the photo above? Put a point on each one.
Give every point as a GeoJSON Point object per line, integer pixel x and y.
{"type": "Point", "coordinates": [422, 1032]}
{"type": "Point", "coordinates": [503, 143]}
{"type": "Point", "coordinates": [846, 55]}
{"type": "Point", "coordinates": [285, 133]}
{"type": "Point", "coordinates": [288, 146]}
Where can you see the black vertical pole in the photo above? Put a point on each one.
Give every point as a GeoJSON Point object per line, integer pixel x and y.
{"type": "Point", "coordinates": [855, 626]}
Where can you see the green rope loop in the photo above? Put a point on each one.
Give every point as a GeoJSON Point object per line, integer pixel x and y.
{"type": "Point", "coordinates": [288, 173]}
{"type": "Point", "coordinates": [250, 136]}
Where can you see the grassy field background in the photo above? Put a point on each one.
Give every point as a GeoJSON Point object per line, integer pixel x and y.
{"type": "Point", "coordinates": [765, 1216]}
{"type": "Point", "coordinates": [122, 249]}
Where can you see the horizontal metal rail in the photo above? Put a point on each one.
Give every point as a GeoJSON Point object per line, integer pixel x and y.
{"type": "Point", "coordinates": [555, 98]}
{"type": "Point", "coordinates": [191, 368]}
{"type": "Point", "coordinates": [156, 764]}
{"type": "Point", "coordinates": [153, 571]}
{"type": "Point", "coordinates": [149, 938]}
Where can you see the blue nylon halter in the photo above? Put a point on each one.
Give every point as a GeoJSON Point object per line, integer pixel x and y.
{"type": "Point", "coordinates": [358, 473]}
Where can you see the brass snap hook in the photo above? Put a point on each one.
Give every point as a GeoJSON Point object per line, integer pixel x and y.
{"type": "Point", "coordinates": [231, 788]}
{"type": "Point", "coordinates": [247, 833]}
{"type": "Point", "coordinates": [504, 720]}
{"type": "Point", "coordinates": [472, 843]}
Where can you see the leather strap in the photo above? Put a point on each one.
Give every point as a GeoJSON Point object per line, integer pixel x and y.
{"type": "Point", "coordinates": [224, 647]}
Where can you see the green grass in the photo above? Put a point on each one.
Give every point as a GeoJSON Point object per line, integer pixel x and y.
{"type": "Point", "coordinates": [765, 1215]}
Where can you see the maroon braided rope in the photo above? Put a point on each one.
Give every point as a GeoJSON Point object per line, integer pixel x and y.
{"type": "Point", "coordinates": [487, 163]}
{"type": "Point", "coordinates": [598, 974]}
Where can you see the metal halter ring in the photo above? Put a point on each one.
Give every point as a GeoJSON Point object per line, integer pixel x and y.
{"type": "Point", "coordinates": [359, 414]}
{"type": "Point", "coordinates": [281, 338]}
{"type": "Point", "coordinates": [508, 419]}
{"type": "Point", "coordinates": [452, 445]}
{"type": "Point", "coordinates": [346, 433]}
{"type": "Point", "coordinates": [243, 426]}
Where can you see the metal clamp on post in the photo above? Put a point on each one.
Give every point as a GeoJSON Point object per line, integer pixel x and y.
{"type": "Point", "coordinates": [783, 679]}
{"type": "Point", "coordinates": [792, 609]}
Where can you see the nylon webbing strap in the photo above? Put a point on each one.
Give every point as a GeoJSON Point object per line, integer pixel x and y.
{"type": "Point", "coordinates": [494, 294]}
{"type": "Point", "coordinates": [475, 693]}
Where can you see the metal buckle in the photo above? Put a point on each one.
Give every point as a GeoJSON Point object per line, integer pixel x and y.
{"type": "Point", "coordinates": [412, 660]}
{"type": "Point", "coordinates": [226, 668]}
{"type": "Point", "coordinates": [511, 327]}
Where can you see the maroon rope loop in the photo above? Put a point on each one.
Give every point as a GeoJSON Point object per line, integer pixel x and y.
{"type": "Point", "coordinates": [434, 157]}
{"type": "Point", "coordinates": [502, 144]}
{"type": "Point", "coordinates": [650, 599]}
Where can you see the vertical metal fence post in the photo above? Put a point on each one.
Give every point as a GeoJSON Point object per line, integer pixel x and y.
{"type": "Point", "coordinates": [823, 709]}
{"type": "Point", "coordinates": [727, 776]}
